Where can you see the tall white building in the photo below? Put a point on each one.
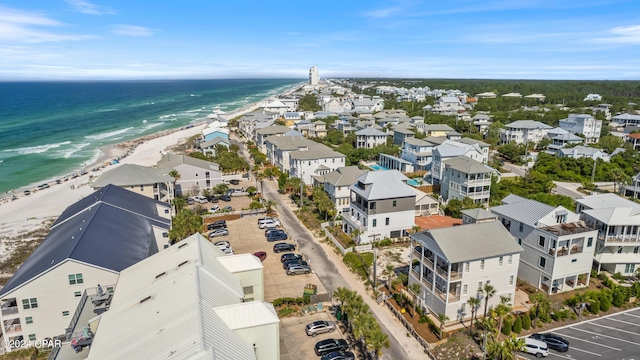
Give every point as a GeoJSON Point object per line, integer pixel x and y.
{"type": "Point", "coordinates": [584, 124]}
{"type": "Point", "coordinates": [314, 77]}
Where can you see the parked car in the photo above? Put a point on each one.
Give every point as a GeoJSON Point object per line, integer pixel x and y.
{"type": "Point", "coordinates": [320, 327]}
{"type": "Point", "coordinates": [269, 224]}
{"type": "Point", "coordinates": [200, 199]}
{"type": "Point", "coordinates": [265, 219]}
{"type": "Point", "coordinates": [338, 355]}
{"type": "Point", "coordinates": [290, 256]}
{"type": "Point", "coordinates": [227, 209]}
{"type": "Point", "coordinates": [190, 201]}
{"type": "Point", "coordinates": [290, 263]}
{"type": "Point", "coordinates": [282, 247]}
{"type": "Point", "coordinates": [220, 224]}
{"type": "Point", "coordinates": [215, 209]}
{"type": "Point", "coordinates": [227, 250]}
{"type": "Point", "coordinates": [330, 345]}
{"type": "Point", "coordinates": [226, 198]}
{"type": "Point", "coordinates": [219, 232]}
{"type": "Point", "coordinates": [536, 347]}
{"type": "Point", "coordinates": [222, 243]}
{"type": "Point", "coordinates": [554, 342]}
{"type": "Point", "coordinates": [277, 236]}
{"type": "Point", "coordinates": [212, 198]}
{"type": "Point", "coordinates": [269, 231]}
{"type": "Point", "coordinates": [234, 182]}
{"type": "Point", "coordinates": [238, 190]}
{"type": "Point", "coordinates": [262, 255]}
{"type": "Point", "coordinates": [298, 269]}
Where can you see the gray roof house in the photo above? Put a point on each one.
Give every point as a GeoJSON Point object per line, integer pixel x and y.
{"type": "Point", "coordinates": [370, 137]}
{"type": "Point", "coordinates": [465, 177]}
{"type": "Point", "coordinates": [147, 181]}
{"type": "Point", "coordinates": [336, 184]}
{"type": "Point", "coordinates": [195, 174]}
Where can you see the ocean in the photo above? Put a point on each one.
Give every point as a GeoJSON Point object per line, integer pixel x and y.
{"type": "Point", "coordinates": [50, 129]}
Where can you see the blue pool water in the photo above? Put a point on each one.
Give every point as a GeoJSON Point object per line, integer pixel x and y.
{"type": "Point", "coordinates": [413, 182]}
{"type": "Point", "coordinates": [377, 167]}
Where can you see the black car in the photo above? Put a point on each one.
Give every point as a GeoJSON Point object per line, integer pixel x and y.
{"type": "Point", "coordinates": [226, 198]}
{"type": "Point", "coordinates": [290, 256]}
{"type": "Point", "coordinates": [286, 264]}
{"type": "Point", "coordinates": [234, 182]}
{"type": "Point", "coordinates": [282, 247]}
{"type": "Point", "coordinates": [330, 345]}
{"type": "Point", "coordinates": [220, 224]}
{"type": "Point", "coordinates": [338, 355]}
{"type": "Point", "coordinates": [212, 199]}
{"type": "Point", "coordinates": [277, 236]}
{"type": "Point", "coordinates": [272, 230]}
{"type": "Point", "coordinates": [554, 342]}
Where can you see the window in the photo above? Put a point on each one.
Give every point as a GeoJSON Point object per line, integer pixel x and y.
{"type": "Point", "coordinates": [77, 294]}
{"type": "Point", "coordinates": [510, 260]}
{"type": "Point", "coordinates": [574, 260]}
{"type": "Point", "coordinates": [521, 227]}
{"type": "Point", "coordinates": [248, 290]}
{"type": "Point", "coordinates": [466, 267]}
{"type": "Point", "coordinates": [479, 285]}
{"type": "Point", "coordinates": [65, 313]}
{"type": "Point", "coordinates": [32, 337]}
{"type": "Point", "coordinates": [28, 320]}
{"type": "Point", "coordinates": [375, 223]}
{"type": "Point", "coordinates": [481, 264]}
{"type": "Point", "coordinates": [394, 203]}
{"type": "Point", "coordinates": [500, 260]}
{"type": "Point", "coordinates": [629, 268]}
{"type": "Point", "coordinates": [30, 303]}
{"type": "Point", "coordinates": [541, 241]}
{"type": "Point", "coordinates": [386, 221]}
{"type": "Point", "coordinates": [141, 187]}
{"type": "Point", "coordinates": [75, 279]}
{"type": "Point", "coordinates": [589, 242]}
{"type": "Point", "coordinates": [464, 289]}
{"type": "Point", "coordinates": [543, 262]}
{"type": "Point", "coordinates": [519, 241]}
{"type": "Point", "coordinates": [511, 280]}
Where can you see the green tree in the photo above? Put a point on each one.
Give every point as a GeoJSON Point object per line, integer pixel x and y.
{"type": "Point", "coordinates": [376, 341]}
{"type": "Point", "coordinates": [609, 143]}
{"type": "Point", "coordinates": [389, 271]}
{"type": "Point", "coordinates": [270, 205]}
{"type": "Point", "coordinates": [514, 345]}
{"type": "Point", "coordinates": [540, 303]}
{"type": "Point", "coordinates": [506, 327]}
{"type": "Point", "coordinates": [179, 203]}
{"type": "Point", "coordinates": [309, 102]}
{"type": "Point", "coordinates": [489, 291]}
{"type": "Point", "coordinates": [526, 321]}
{"type": "Point", "coordinates": [517, 325]}
{"type": "Point", "coordinates": [282, 182]}
{"type": "Point", "coordinates": [501, 311]}
{"type": "Point", "coordinates": [254, 205]}
{"type": "Point", "coordinates": [184, 224]}
{"type": "Point", "coordinates": [251, 190]}
{"type": "Point", "coordinates": [442, 318]}
{"type": "Point", "coordinates": [221, 188]}
{"type": "Point", "coordinates": [474, 304]}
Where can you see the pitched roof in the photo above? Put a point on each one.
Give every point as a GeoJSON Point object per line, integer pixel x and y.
{"type": "Point", "coordinates": [171, 161]}
{"type": "Point", "coordinates": [528, 211]}
{"type": "Point", "coordinates": [369, 131]}
{"type": "Point", "coordinates": [214, 141]}
{"type": "Point", "coordinates": [453, 148]}
{"type": "Point", "coordinates": [438, 127]}
{"type": "Point", "coordinates": [528, 124]}
{"type": "Point", "coordinates": [131, 174]}
{"type": "Point", "coordinates": [512, 198]}
{"type": "Point", "coordinates": [606, 201]}
{"type": "Point", "coordinates": [111, 228]}
{"type": "Point", "coordinates": [478, 214]}
{"type": "Point", "coordinates": [472, 141]}
{"type": "Point", "coordinates": [273, 129]}
{"type": "Point", "coordinates": [344, 176]}
{"type": "Point", "coordinates": [385, 184]}
{"type": "Point", "coordinates": [466, 165]}
{"type": "Point", "coordinates": [581, 150]}
{"type": "Point", "coordinates": [315, 154]}
{"type": "Point", "coordinates": [470, 242]}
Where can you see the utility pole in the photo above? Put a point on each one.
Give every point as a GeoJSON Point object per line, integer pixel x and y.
{"type": "Point", "coordinates": [375, 261]}
{"type": "Point", "coordinates": [301, 193]}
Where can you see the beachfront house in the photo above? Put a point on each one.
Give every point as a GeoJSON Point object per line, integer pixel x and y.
{"type": "Point", "coordinates": [464, 177]}
{"type": "Point", "coordinates": [211, 133]}
{"type": "Point", "coordinates": [382, 205]}
{"type": "Point", "coordinates": [150, 182]}
{"type": "Point", "coordinates": [232, 322]}
{"type": "Point", "coordinates": [196, 175]}
{"type": "Point", "coordinates": [558, 246]}
{"type": "Point", "coordinates": [211, 147]}
{"type": "Point", "coordinates": [88, 245]}
{"type": "Point", "coordinates": [336, 184]}
{"type": "Point", "coordinates": [256, 120]}
{"type": "Point", "coordinates": [369, 137]}
{"type": "Point", "coordinates": [454, 264]}
{"type": "Point", "coordinates": [616, 220]}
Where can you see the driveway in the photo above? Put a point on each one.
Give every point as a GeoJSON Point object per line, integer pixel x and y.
{"type": "Point", "coordinates": [294, 342]}
{"type": "Point", "coordinates": [615, 336]}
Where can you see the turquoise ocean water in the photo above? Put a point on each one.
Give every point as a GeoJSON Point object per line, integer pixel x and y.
{"type": "Point", "coordinates": [49, 129]}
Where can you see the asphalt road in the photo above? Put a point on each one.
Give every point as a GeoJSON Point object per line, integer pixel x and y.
{"type": "Point", "coordinates": [615, 336]}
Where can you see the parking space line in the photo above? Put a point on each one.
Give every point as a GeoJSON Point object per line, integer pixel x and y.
{"type": "Point", "coordinates": [560, 356]}
{"type": "Point", "coordinates": [612, 328]}
{"type": "Point", "coordinates": [588, 352]}
{"type": "Point", "coordinates": [632, 315]}
{"type": "Point", "coordinates": [607, 336]}
{"type": "Point", "coordinates": [590, 342]}
{"type": "Point", "coordinates": [624, 322]}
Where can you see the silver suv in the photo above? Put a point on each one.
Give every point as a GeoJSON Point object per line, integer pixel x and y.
{"type": "Point", "coordinates": [320, 327]}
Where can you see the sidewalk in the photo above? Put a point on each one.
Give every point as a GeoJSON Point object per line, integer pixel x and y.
{"type": "Point", "coordinates": [393, 327]}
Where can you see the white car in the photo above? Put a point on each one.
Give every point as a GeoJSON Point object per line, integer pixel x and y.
{"type": "Point", "coordinates": [222, 243]}
{"type": "Point", "coordinates": [269, 224]}
{"type": "Point", "coordinates": [536, 347]}
{"type": "Point", "coordinates": [215, 209]}
{"type": "Point", "coordinates": [227, 250]}
{"type": "Point", "coordinates": [200, 199]}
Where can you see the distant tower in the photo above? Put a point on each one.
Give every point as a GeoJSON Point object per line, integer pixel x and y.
{"type": "Point", "coordinates": [314, 78]}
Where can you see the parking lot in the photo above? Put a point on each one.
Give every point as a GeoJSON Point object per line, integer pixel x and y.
{"type": "Point", "coordinates": [294, 342]}
{"type": "Point", "coordinates": [615, 336]}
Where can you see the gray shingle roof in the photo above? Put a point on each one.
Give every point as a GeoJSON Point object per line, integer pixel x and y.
{"type": "Point", "coordinates": [470, 242]}
{"type": "Point", "coordinates": [344, 176]}
{"type": "Point", "coordinates": [528, 211]}
{"type": "Point", "coordinates": [315, 154]}
{"type": "Point", "coordinates": [387, 184]}
{"type": "Point", "coordinates": [369, 131]}
{"type": "Point", "coordinates": [471, 141]}
{"type": "Point", "coordinates": [130, 174]}
{"type": "Point", "coordinates": [273, 129]}
{"type": "Point", "coordinates": [111, 228]}
{"type": "Point", "coordinates": [528, 124]}
{"type": "Point", "coordinates": [170, 161]}
{"type": "Point", "coordinates": [478, 214]}
{"type": "Point", "coordinates": [466, 165]}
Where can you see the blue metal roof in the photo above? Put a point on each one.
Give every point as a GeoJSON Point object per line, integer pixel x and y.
{"type": "Point", "coordinates": [101, 233]}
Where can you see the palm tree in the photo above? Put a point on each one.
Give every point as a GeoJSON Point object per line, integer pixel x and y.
{"type": "Point", "coordinates": [489, 291]}
{"type": "Point", "coordinates": [539, 300]}
{"type": "Point", "coordinates": [270, 205]}
{"type": "Point", "coordinates": [474, 303]}
{"type": "Point", "coordinates": [514, 344]}
{"type": "Point", "coordinates": [415, 290]}
{"type": "Point", "coordinates": [389, 272]}
{"type": "Point", "coordinates": [376, 341]}
{"type": "Point", "coordinates": [343, 295]}
{"type": "Point", "coordinates": [500, 311]}
{"type": "Point", "coordinates": [415, 228]}
{"type": "Point", "coordinates": [355, 233]}
{"type": "Point", "coordinates": [442, 318]}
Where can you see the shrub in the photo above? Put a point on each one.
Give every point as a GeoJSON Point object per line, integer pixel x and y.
{"type": "Point", "coordinates": [594, 273]}
{"type": "Point", "coordinates": [560, 315]}
{"type": "Point", "coordinates": [618, 297]}
{"type": "Point", "coordinates": [605, 301]}
{"type": "Point", "coordinates": [506, 327]}
{"type": "Point", "coordinates": [594, 307]}
{"type": "Point", "coordinates": [423, 319]}
{"type": "Point", "coordinates": [526, 321]}
{"type": "Point", "coordinates": [544, 317]}
{"type": "Point", "coordinates": [618, 276]}
{"type": "Point", "coordinates": [517, 325]}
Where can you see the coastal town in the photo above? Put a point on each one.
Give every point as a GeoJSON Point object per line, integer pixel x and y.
{"type": "Point", "coordinates": [342, 219]}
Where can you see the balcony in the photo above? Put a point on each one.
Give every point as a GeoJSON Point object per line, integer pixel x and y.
{"type": "Point", "coordinates": [619, 238]}
{"type": "Point", "coordinates": [415, 273]}
{"type": "Point", "coordinates": [9, 310]}
{"type": "Point", "coordinates": [477, 182]}
{"type": "Point", "coordinates": [442, 273]}
{"type": "Point", "coordinates": [13, 328]}
{"type": "Point", "coordinates": [477, 194]}
{"type": "Point", "coordinates": [416, 255]}
{"type": "Point", "coordinates": [455, 275]}
{"type": "Point", "coordinates": [426, 281]}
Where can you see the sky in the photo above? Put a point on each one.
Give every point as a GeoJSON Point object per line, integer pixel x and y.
{"type": "Point", "coordinates": [207, 39]}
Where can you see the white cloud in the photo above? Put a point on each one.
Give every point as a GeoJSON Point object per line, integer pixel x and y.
{"type": "Point", "coordinates": [383, 13]}
{"type": "Point", "coordinates": [131, 30]}
{"type": "Point", "coordinates": [18, 26]}
{"type": "Point", "coordinates": [622, 34]}
{"type": "Point", "coordinates": [22, 17]}
{"type": "Point", "coordinates": [89, 8]}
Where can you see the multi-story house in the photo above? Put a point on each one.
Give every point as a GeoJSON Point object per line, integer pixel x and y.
{"type": "Point", "coordinates": [453, 264]}
{"type": "Point", "coordinates": [402, 134]}
{"type": "Point", "coordinates": [382, 205]}
{"type": "Point", "coordinates": [561, 138]}
{"type": "Point", "coordinates": [418, 152]}
{"type": "Point", "coordinates": [584, 124]}
{"type": "Point", "coordinates": [436, 129]}
{"type": "Point", "coordinates": [626, 120]}
{"type": "Point", "coordinates": [449, 149]}
{"type": "Point", "coordinates": [372, 105]}
{"type": "Point", "coordinates": [336, 185]}
{"type": "Point", "coordinates": [150, 182]}
{"type": "Point", "coordinates": [250, 122]}
{"type": "Point", "coordinates": [264, 133]}
{"type": "Point", "coordinates": [524, 131]}
{"type": "Point", "coordinates": [305, 163]}
{"type": "Point", "coordinates": [633, 189]}
{"type": "Point", "coordinates": [196, 175]}
{"type": "Point", "coordinates": [89, 244]}
{"type": "Point", "coordinates": [370, 137]}
{"type": "Point", "coordinates": [558, 246]}
{"type": "Point", "coordinates": [579, 151]}
{"type": "Point", "coordinates": [617, 221]}
{"type": "Point", "coordinates": [465, 177]}
{"type": "Point", "coordinates": [484, 147]}
{"type": "Point", "coordinates": [279, 147]}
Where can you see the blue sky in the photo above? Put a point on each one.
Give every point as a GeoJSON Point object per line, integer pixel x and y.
{"type": "Point", "coordinates": [504, 39]}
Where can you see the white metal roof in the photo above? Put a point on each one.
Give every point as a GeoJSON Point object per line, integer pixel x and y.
{"type": "Point", "coordinates": [249, 314]}
{"type": "Point", "coordinates": [240, 262]}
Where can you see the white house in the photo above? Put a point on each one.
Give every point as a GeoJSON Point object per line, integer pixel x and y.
{"type": "Point", "coordinates": [192, 302]}
{"type": "Point", "coordinates": [367, 105]}
{"type": "Point", "coordinates": [382, 205]}
{"type": "Point", "coordinates": [464, 177]}
{"type": "Point", "coordinates": [593, 97]}
{"type": "Point", "coordinates": [150, 182]}
{"type": "Point", "coordinates": [524, 131]}
{"type": "Point", "coordinates": [583, 152]}
{"type": "Point", "coordinates": [305, 163]}
{"type": "Point", "coordinates": [279, 147]}
{"type": "Point", "coordinates": [196, 175]}
{"type": "Point", "coordinates": [91, 242]}
{"type": "Point", "coordinates": [336, 184]}
{"type": "Point", "coordinates": [449, 149]}
{"type": "Point", "coordinates": [561, 138]}
{"type": "Point", "coordinates": [370, 137]}
{"type": "Point", "coordinates": [418, 152]}
{"type": "Point", "coordinates": [275, 106]}
{"type": "Point", "coordinates": [455, 263]}
{"type": "Point", "coordinates": [558, 247]}
{"type": "Point", "coordinates": [584, 124]}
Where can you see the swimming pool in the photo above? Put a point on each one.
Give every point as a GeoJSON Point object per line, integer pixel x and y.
{"type": "Point", "coordinates": [413, 182]}
{"type": "Point", "coordinates": [377, 167]}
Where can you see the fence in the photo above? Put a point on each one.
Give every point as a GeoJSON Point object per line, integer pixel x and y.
{"type": "Point", "coordinates": [429, 189]}
{"type": "Point", "coordinates": [338, 244]}
{"type": "Point", "coordinates": [410, 329]}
